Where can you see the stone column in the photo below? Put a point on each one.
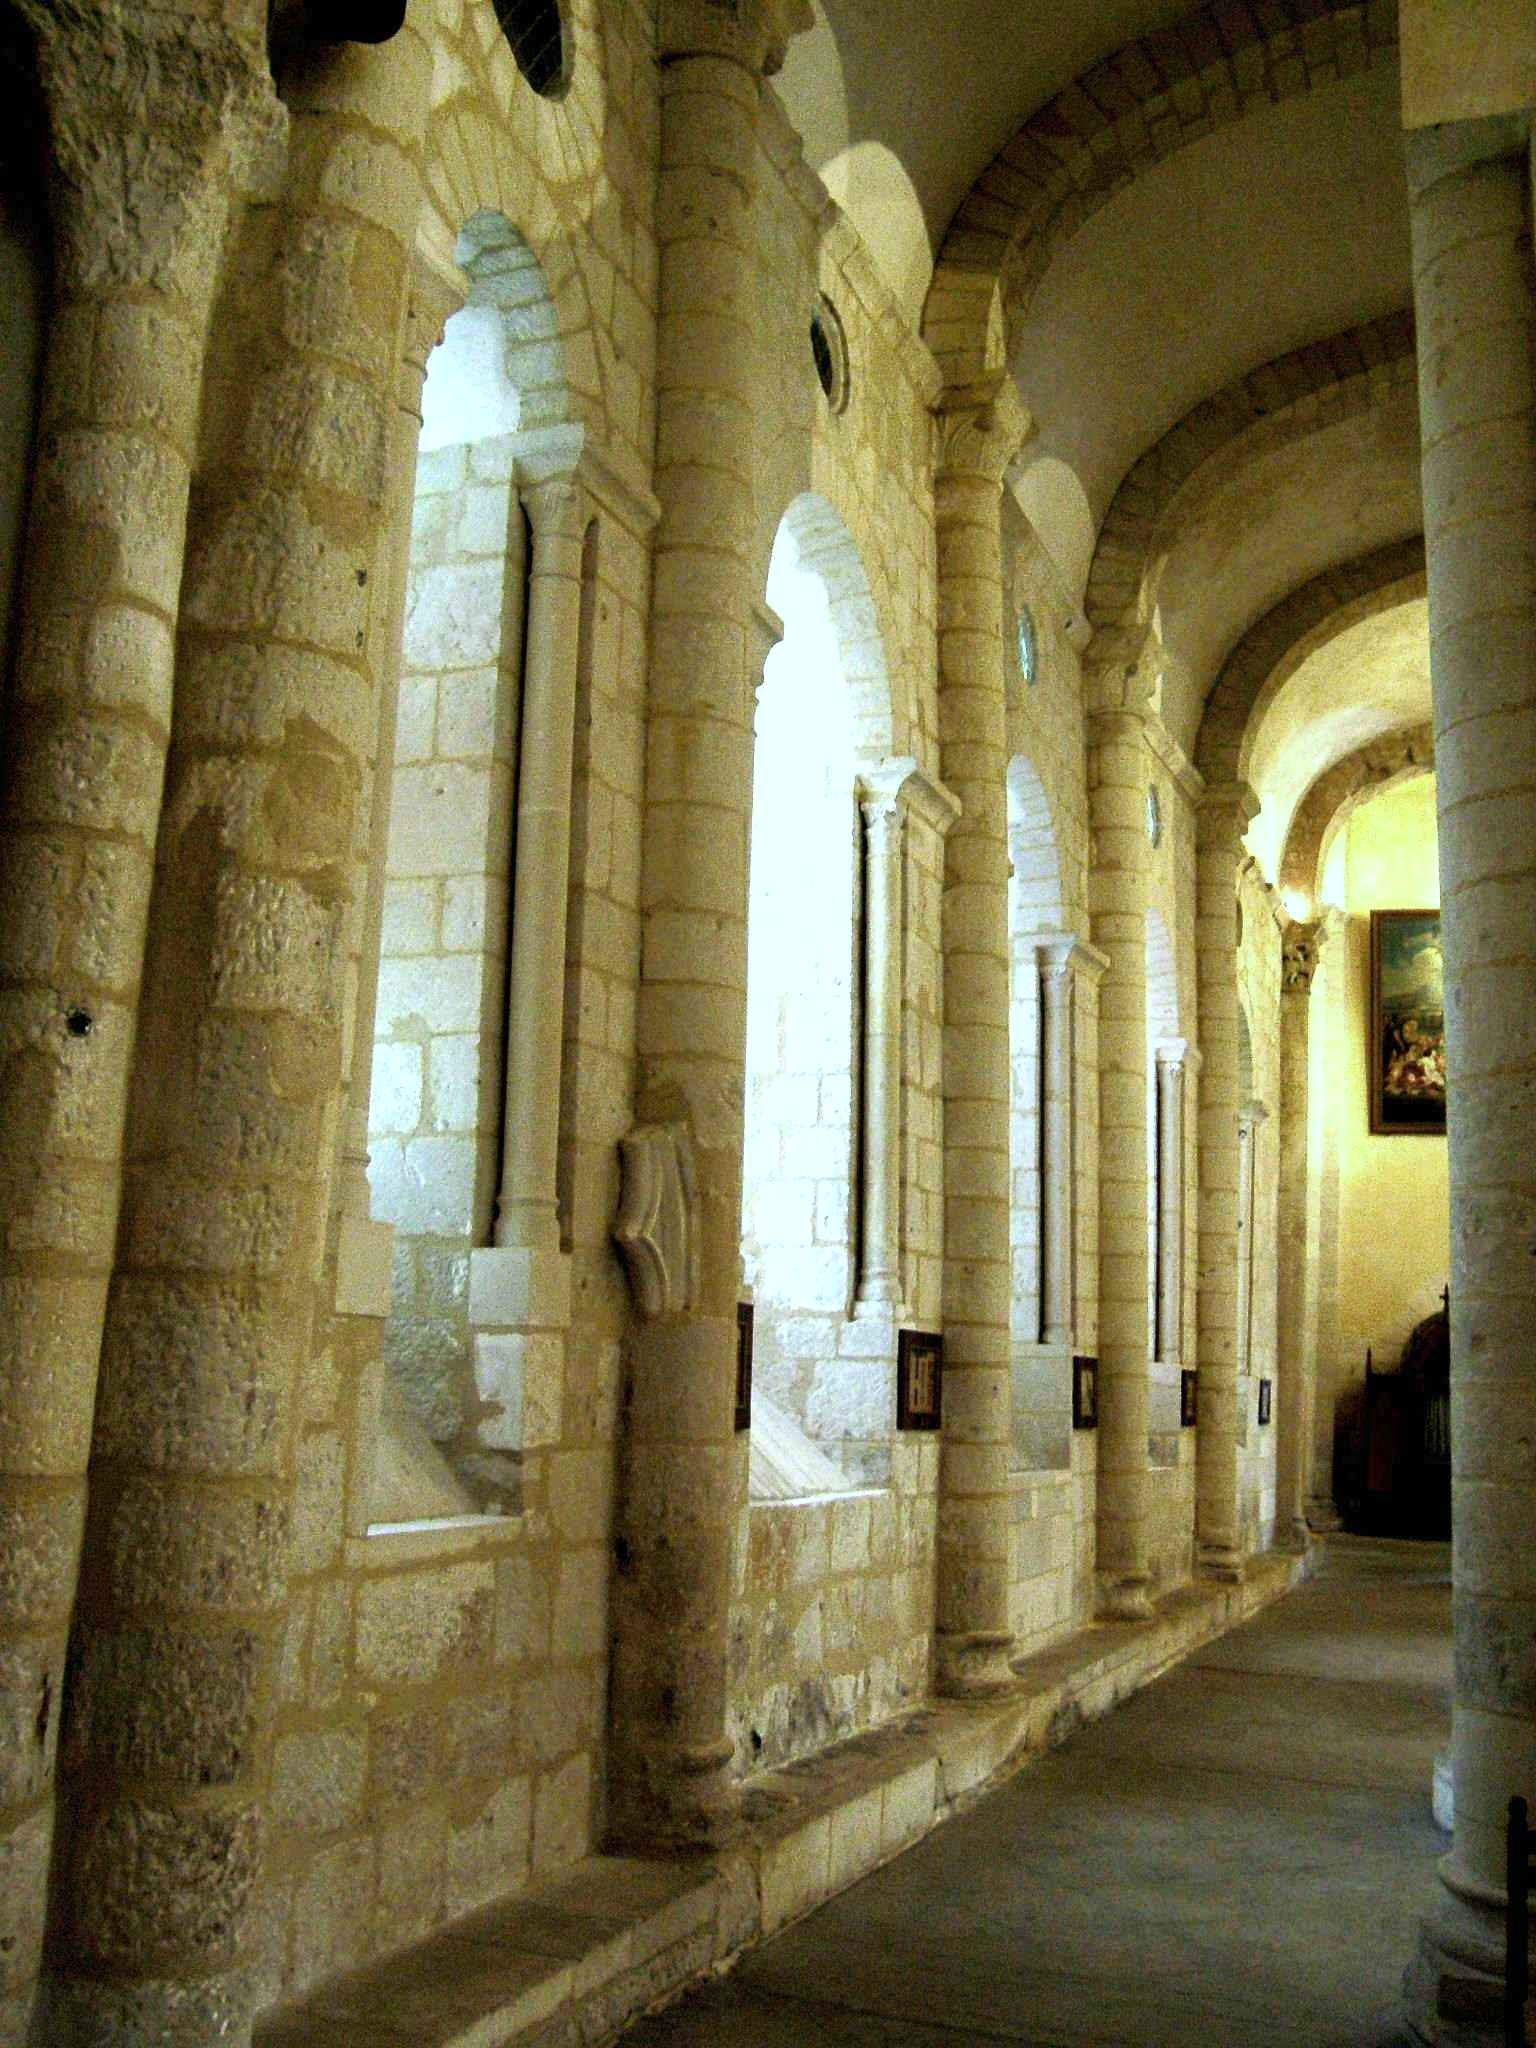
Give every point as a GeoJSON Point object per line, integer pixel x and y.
{"type": "Point", "coordinates": [1117, 894]}
{"type": "Point", "coordinates": [684, 1481]}
{"type": "Point", "coordinates": [880, 1145]}
{"type": "Point", "coordinates": [526, 1210]}
{"type": "Point", "coordinates": [1475, 300]}
{"type": "Point", "coordinates": [237, 1092]}
{"type": "Point", "coordinates": [1250, 1116]}
{"type": "Point", "coordinates": [1322, 1295]}
{"type": "Point", "coordinates": [137, 247]}
{"type": "Point", "coordinates": [982, 432]}
{"type": "Point", "coordinates": [1296, 1363]}
{"type": "Point", "coordinates": [1225, 812]}
{"type": "Point", "coordinates": [1176, 1058]}
{"type": "Point", "coordinates": [1058, 1141]}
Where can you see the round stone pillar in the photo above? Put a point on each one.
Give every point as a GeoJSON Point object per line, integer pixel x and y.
{"type": "Point", "coordinates": [1225, 813]}
{"type": "Point", "coordinates": [982, 433]}
{"type": "Point", "coordinates": [82, 767]}
{"type": "Point", "coordinates": [1296, 1361]}
{"type": "Point", "coordinates": [237, 1087]}
{"type": "Point", "coordinates": [1475, 304]}
{"type": "Point", "coordinates": [684, 1466]}
{"type": "Point", "coordinates": [1118, 903]}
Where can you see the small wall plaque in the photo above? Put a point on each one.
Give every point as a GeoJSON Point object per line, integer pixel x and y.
{"type": "Point", "coordinates": [919, 1379]}
{"type": "Point", "coordinates": [1189, 1398]}
{"type": "Point", "coordinates": [1266, 1400]}
{"type": "Point", "coordinates": [1085, 1393]}
{"type": "Point", "coordinates": [743, 1365]}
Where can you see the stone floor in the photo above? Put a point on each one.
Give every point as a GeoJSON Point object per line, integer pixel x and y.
{"type": "Point", "coordinates": [1238, 1855]}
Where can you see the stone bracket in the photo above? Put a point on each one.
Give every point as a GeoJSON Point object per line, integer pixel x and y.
{"type": "Point", "coordinates": [657, 1228]}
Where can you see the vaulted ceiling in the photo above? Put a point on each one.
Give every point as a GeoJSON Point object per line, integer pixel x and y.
{"type": "Point", "coordinates": [1169, 199]}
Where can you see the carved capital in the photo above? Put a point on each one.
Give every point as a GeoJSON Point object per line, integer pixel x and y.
{"type": "Point", "coordinates": [753, 33]}
{"type": "Point", "coordinates": [151, 114]}
{"type": "Point", "coordinates": [982, 427]}
{"type": "Point", "coordinates": [1122, 671]}
{"type": "Point", "coordinates": [1300, 946]}
{"type": "Point", "coordinates": [657, 1228]}
{"type": "Point", "coordinates": [1227, 809]}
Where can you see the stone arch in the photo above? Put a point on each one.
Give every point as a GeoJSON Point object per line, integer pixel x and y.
{"type": "Point", "coordinates": [827, 549]}
{"type": "Point", "coordinates": [1245, 1068]}
{"type": "Point", "coordinates": [1285, 399]}
{"type": "Point", "coordinates": [469, 169]}
{"type": "Point", "coordinates": [1162, 978]}
{"type": "Point", "coordinates": [1277, 644]}
{"type": "Point", "coordinates": [1326, 807]}
{"type": "Point", "coordinates": [1138, 106]}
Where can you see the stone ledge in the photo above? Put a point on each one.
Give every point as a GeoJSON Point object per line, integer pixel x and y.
{"type": "Point", "coordinates": [575, 1958]}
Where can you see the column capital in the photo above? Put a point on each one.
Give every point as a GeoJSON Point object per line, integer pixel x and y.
{"type": "Point", "coordinates": [1064, 955]}
{"type": "Point", "coordinates": [755, 34]}
{"type": "Point", "coordinates": [767, 629]}
{"type": "Point", "coordinates": [982, 427]}
{"type": "Point", "coordinates": [203, 89]}
{"type": "Point", "coordinates": [900, 782]}
{"type": "Point", "coordinates": [570, 454]}
{"type": "Point", "coordinates": [1301, 943]}
{"type": "Point", "coordinates": [1176, 1055]}
{"type": "Point", "coordinates": [1251, 1114]}
{"type": "Point", "coordinates": [1227, 807]}
{"type": "Point", "coordinates": [1121, 674]}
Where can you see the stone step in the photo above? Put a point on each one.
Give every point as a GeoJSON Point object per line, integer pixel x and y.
{"type": "Point", "coordinates": [576, 1957]}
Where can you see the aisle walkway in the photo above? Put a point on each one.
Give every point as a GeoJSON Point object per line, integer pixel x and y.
{"type": "Point", "coordinates": [1239, 1855]}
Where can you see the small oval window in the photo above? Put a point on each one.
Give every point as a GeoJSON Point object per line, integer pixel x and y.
{"type": "Point", "coordinates": [1029, 645]}
{"type": "Point", "coordinates": [1154, 818]}
{"type": "Point", "coordinates": [535, 33]}
{"type": "Point", "coordinates": [829, 352]}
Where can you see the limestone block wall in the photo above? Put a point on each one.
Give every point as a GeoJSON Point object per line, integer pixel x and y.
{"type": "Point", "coordinates": [443, 1687]}
{"type": "Point", "coordinates": [837, 1634]}
{"type": "Point", "coordinates": [1258, 973]}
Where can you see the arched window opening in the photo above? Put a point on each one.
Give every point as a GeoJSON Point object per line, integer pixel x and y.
{"type": "Point", "coordinates": [436, 1107]}
{"type": "Point", "coordinates": [800, 1205]}
{"type": "Point", "coordinates": [536, 35]}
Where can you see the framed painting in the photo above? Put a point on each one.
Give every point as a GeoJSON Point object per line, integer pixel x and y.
{"type": "Point", "coordinates": [1085, 1393]}
{"type": "Point", "coordinates": [1407, 1050]}
{"type": "Point", "coordinates": [919, 1379]}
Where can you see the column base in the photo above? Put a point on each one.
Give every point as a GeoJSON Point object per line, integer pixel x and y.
{"type": "Point", "coordinates": [1297, 1541]}
{"type": "Point", "coordinates": [1453, 1989]}
{"type": "Point", "coordinates": [677, 1798]}
{"type": "Point", "coordinates": [1216, 1561]}
{"type": "Point", "coordinates": [975, 1665]}
{"type": "Point", "coordinates": [1125, 1599]}
{"type": "Point", "coordinates": [1323, 1516]}
{"type": "Point", "coordinates": [149, 2014]}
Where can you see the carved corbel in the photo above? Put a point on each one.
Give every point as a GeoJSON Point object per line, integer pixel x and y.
{"type": "Point", "coordinates": [657, 1228]}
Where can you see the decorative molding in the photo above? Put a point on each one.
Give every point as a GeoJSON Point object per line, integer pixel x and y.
{"type": "Point", "coordinates": [1065, 953]}
{"type": "Point", "coordinates": [982, 427]}
{"type": "Point", "coordinates": [902, 781]}
{"type": "Point", "coordinates": [1185, 776]}
{"type": "Point", "coordinates": [657, 1228]}
{"type": "Point", "coordinates": [1300, 948]}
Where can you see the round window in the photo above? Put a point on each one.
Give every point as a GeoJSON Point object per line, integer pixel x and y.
{"type": "Point", "coordinates": [1029, 645]}
{"type": "Point", "coordinates": [829, 352]}
{"type": "Point", "coordinates": [535, 33]}
{"type": "Point", "coordinates": [1154, 818]}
